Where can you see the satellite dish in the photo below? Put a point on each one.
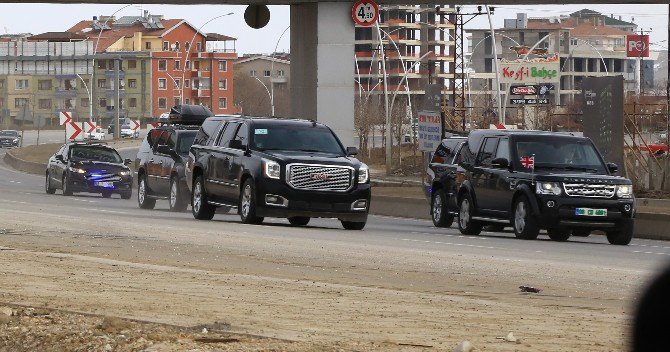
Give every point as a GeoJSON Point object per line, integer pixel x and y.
{"type": "Point", "coordinates": [257, 16]}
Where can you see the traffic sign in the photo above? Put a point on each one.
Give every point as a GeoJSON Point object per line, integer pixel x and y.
{"type": "Point", "coordinates": [65, 117]}
{"type": "Point", "coordinates": [136, 124]}
{"type": "Point", "coordinates": [73, 130]}
{"type": "Point", "coordinates": [365, 12]}
{"type": "Point", "coordinates": [90, 126]}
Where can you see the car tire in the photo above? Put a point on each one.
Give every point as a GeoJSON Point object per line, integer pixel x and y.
{"type": "Point", "coordinates": [353, 225]}
{"type": "Point", "coordinates": [438, 210]}
{"type": "Point", "coordinates": [466, 224]}
{"type": "Point", "coordinates": [247, 208]}
{"type": "Point", "coordinates": [299, 220]}
{"type": "Point", "coordinates": [558, 235]}
{"type": "Point", "coordinates": [126, 195]}
{"type": "Point", "coordinates": [67, 189]}
{"type": "Point", "coordinates": [581, 232]}
{"type": "Point", "coordinates": [523, 222]}
{"type": "Point", "coordinates": [106, 194]}
{"type": "Point", "coordinates": [200, 207]}
{"type": "Point", "coordinates": [623, 233]}
{"type": "Point", "coordinates": [143, 199]}
{"type": "Point", "coordinates": [47, 185]}
{"type": "Point", "coordinates": [177, 200]}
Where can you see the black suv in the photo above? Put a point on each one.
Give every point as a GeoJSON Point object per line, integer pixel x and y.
{"type": "Point", "coordinates": [295, 169]}
{"type": "Point", "coordinates": [440, 181]}
{"type": "Point", "coordinates": [161, 158]}
{"type": "Point", "coordinates": [541, 180]}
{"type": "Point", "coordinates": [84, 167]}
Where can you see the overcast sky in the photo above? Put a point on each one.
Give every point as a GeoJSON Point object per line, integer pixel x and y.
{"type": "Point", "coordinates": [39, 18]}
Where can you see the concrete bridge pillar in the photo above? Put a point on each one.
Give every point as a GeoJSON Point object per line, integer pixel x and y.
{"type": "Point", "coordinates": [322, 65]}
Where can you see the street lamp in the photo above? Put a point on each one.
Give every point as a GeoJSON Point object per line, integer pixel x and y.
{"type": "Point", "coordinates": [272, 67]}
{"type": "Point", "coordinates": [90, 103]}
{"type": "Point", "coordinates": [190, 45]}
{"type": "Point", "coordinates": [272, 107]}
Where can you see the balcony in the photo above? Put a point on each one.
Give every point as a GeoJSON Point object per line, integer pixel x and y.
{"type": "Point", "coordinates": [279, 80]}
{"type": "Point", "coordinates": [111, 74]}
{"type": "Point", "coordinates": [61, 93]}
{"type": "Point", "coordinates": [204, 93]}
{"type": "Point", "coordinates": [111, 93]}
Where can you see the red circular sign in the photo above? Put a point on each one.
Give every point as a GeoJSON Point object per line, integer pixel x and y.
{"type": "Point", "coordinates": [365, 12]}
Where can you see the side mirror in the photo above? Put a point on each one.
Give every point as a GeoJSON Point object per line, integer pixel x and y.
{"type": "Point", "coordinates": [500, 163]}
{"type": "Point", "coordinates": [613, 168]}
{"type": "Point", "coordinates": [163, 149]}
{"type": "Point", "coordinates": [236, 144]}
{"type": "Point", "coordinates": [127, 162]}
{"type": "Point", "coordinates": [352, 151]}
{"type": "Point", "coordinates": [60, 158]}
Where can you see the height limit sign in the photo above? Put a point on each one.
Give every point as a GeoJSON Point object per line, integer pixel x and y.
{"type": "Point", "coordinates": [365, 12]}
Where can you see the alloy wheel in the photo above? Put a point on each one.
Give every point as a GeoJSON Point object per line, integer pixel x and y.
{"type": "Point", "coordinates": [437, 208]}
{"type": "Point", "coordinates": [520, 217]}
{"type": "Point", "coordinates": [464, 213]}
{"type": "Point", "coordinates": [173, 195]}
{"type": "Point", "coordinates": [142, 191]}
{"type": "Point", "coordinates": [197, 197]}
{"type": "Point", "coordinates": [246, 201]}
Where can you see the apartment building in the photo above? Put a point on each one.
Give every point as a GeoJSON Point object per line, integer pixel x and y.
{"type": "Point", "coordinates": [586, 43]}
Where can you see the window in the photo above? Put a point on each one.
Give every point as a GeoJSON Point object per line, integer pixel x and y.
{"type": "Point", "coordinates": [486, 155]}
{"type": "Point", "coordinates": [503, 149]}
{"type": "Point", "coordinates": [188, 65]}
{"type": "Point", "coordinates": [187, 83]}
{"type": "Point", "coordinates": [102, 83]}
{"type": "Point", "coordinates": [19, 102]}
{"type": "Point", "coordinates": [102, 64]}
{"type": "Point", "coordinates": [176, 46]}
{"type": "Point", "coordinates": [84, 102]}
{"type": "Point", "coordinates": [176, 101]}
{"type": "Point", "coordinates": [242, 133]}
{"type": "Point", "coordinates": [132, 64]}
{"type": "Point", "coordinates": [166, 46]}
{"type": "Point", "coordinates": [2, 102]}
{"type": "Point", "coordinates": [187, 101]}
{"type": "Point", "coordinates": [162, 65]}
{"type": "Point", "coordinates": [196, 65]}
{"type": "Point", "coordinates": [147, 45]}
{"type": "Point", "coordinates": [227, 134]}
{"type": "Point", "coordinates": [2, 83]}
{"type": "Point", "coordinates": [252, 73]}
{"type": "Point", "coordinates": [177, 65]}
{"type": "Point", "coordinates": [223, 84]}
{"type": "Point", "coordinates": [132, 102]}
{"type": "Point", "coordinates": [223, 65]}
{"type": "Point", "coordinates": [45, 104]}
{"type": "Point", "coordinates": [102, 102]}
{"type": "Point", "coordinates": [196, 84]}
{"type": "Point", "coordinates": [280, 73]}
{"type": "Point", "coordinates": [162, 103]}
{"type": "Point", "coordinates": [198, 47]}
{"type": "Point", "coordinates": [223, 103]}
{"type": "Point", "coordinates": [132, 83]}
{"type": "Point", "coordinates": [21, 84]}
{"type": "Point", "coordinates": [162, 83]}
{"type": "Point", "coordinates": [187, 46]}
{"type": "Point", "coordinates": [44, 84]}
{"type": "Point", "coordinates": [266, 73]}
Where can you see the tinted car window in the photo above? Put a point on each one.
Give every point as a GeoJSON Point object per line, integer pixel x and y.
{"type": "Point", "coordinates": [185, 141]}
{"type": "Point", "coordinates": [162, 140]}
{"type": "Point", "coordinates": [9, 133]}
{"type": "Point", "coordinates": [486, 155]}
{"type": "Point", "coordinates": [295, 138]}
{"type": "Point", "coordinates": [94, 154]}
{"type": "Point", "coordinates": [227, 134]}
{"type": "Point", "coordinates": [172, 140]}
{"type": "Point", "coordinates": [242, 133]}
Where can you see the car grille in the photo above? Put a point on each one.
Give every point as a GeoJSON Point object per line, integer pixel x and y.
{"type": "Point", "coordinates": [102, 177]}
{"type": "Point", "coordinates": [320, 178]}
{"type": "Point", "coordinates": [589, 190]}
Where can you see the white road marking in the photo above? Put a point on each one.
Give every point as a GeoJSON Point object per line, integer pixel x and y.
{"type": "Point", "coordinates": [450, 243]}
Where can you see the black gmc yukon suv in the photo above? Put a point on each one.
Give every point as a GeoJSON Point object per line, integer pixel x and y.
{"type": "Point", "coordinates": [536, 180]}
{"type": "Point", "coordinates": [266, 167]}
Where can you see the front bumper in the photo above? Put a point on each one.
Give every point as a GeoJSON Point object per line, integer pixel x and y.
{"type": "Point", "coordinates": [9, 143]}
{"type": "Point", "coordinates": [316, 204]}
{"type": "Point", "coordinates": [560, 211]}
{"type": "Point", "coordinates": [82, 183]}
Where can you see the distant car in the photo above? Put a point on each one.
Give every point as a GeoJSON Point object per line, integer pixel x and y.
{"type": "Point", "coordinates": [128, 132]}
{"type": "Point", "coordinates": [98, 134]}
{"type": "Point", "coordinates": [88, 167]}
{"type": "Point", "coordinates": [10, 138]}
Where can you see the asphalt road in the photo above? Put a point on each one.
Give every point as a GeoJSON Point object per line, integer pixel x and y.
{"type": "Point", "coordinates": [391, 253]}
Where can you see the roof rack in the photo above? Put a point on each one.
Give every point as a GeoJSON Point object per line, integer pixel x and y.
{"type": "Point", "coordinates": [185, 114]}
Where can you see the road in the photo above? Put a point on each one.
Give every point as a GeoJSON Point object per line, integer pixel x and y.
{"type": "Point", "coordinates": [399, 283]}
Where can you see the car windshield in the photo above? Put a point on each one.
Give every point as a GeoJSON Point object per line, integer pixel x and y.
{"type": "Point", "coordinates": [315, 139]}
{"type": "Point", "coordinates": [569, 154]}
{"type": "Point", "coordinates": [9, 133]}
{"type": "Point", "coordinates": [125, 127]}
{"type": "Point", "coordinates": [185, 141]}
{"type": "Point", "coordinates": [95, 154]}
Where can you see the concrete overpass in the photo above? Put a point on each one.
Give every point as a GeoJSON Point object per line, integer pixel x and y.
{"type": "Point", "coordinates": [322, 47]}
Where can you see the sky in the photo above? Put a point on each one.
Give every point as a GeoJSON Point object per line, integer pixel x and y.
{"type": "Point", "coordinates": [38, 18]}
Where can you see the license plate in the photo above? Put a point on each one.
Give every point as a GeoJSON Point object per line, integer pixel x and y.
{"type": "Point", "coordinates": [105, 184]}
{"type": "Point", "coordinates": [590, 212]}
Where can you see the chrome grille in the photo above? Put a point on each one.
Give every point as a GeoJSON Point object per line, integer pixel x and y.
{"type": "Point", "coordinates": [589, 190]}
{"type": "Point", "coordinates": [320, 177]}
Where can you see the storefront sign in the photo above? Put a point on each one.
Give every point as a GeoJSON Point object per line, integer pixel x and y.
{"type": "Point", "coordinates": [529, 72]}
{"type": "Point", "coordinates": [429, 130]}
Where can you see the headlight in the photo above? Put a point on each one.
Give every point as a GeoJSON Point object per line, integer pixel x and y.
{"type": "Point", "coordinates": [624, 191]}
{"type": "Point", "coordinates": [77, 170]}
{"type": "Point", "coordinates": [125, 173]}
{"type": "Point", "coordinates": [552, 188]}
{"type": "Point", "coordinates": [363, 174]}
{"type": "Point", "coordinates": [271, 169]}
{"type": "Point", "coordinates": [16, 140]}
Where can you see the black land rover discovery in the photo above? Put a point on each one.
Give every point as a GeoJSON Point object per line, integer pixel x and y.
{"type": "Point", "coordinates": [536, 180]}
{"type": "Point", "coordinates": [266, 167]}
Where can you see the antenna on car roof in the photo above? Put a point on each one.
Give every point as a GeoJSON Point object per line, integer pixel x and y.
{"type": "Point", "coordinates": [313, 122]}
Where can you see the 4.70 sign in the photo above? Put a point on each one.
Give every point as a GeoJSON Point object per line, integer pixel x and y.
{"type": "Point", "coordinates": [365, 12]}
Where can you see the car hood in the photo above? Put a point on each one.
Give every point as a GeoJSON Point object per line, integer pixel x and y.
{"type": "Point", "coordinates": [290, 157]}
{"type": "Point", "coordinates": [582, 178]}
{"type": "Point", "coordinates": [98, 166]}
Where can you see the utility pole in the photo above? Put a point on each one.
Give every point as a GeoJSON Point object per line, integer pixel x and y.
{"type": "Point", "coordinates": [641, 61]}
{"type": "Point", "coordinates": [117, 127]}
{"type": "Point", "coordinates": [667, 92]}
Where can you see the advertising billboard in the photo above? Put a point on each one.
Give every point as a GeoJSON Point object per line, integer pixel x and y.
{"type": "Point", "coordinates": [637, 45]}
{"type": "Point", "coordinates": [603, 115]}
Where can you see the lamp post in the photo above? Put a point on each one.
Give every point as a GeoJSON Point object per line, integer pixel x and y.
{"type": "Point", "coordinates": [272, 67]}
{"type": "Point", "coordinates": [501, 112]}
{"type": "Point", "coordinates": [272, 107]}
{"type": "Point", "coordinates": [188, 51]}
{"type": "Point", "coordinates": [387, 116]}
{"type": "Point", "coordinates": [90, 103]}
